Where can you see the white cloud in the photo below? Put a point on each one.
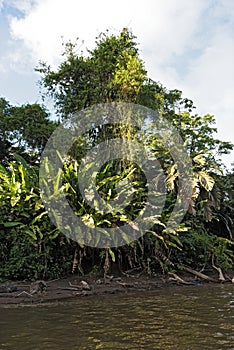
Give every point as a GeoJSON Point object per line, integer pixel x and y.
{"type": "Point", "coordinates": [224, 8]}
{"type": "Point", "coordinates": [171, 28]}
{"type": "Point", "coordinates": [212, 74]}
{"type": "Point", "coordinates": [164, 27]}
{"type": "Point", "coordinates": [209, 82]}
{"type": "Point", "coordinates": [42, 30]}
{"type": "Point", "coordinates": [24, 6]}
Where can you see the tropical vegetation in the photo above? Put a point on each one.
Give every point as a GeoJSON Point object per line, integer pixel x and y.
{"type": "Point", "coordinates": [32, 247]}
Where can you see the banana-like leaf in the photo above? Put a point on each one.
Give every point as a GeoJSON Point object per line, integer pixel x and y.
{"type": "Point", "coordinates": [200, 159]}
{"type": "Point", "coordinates": [206, 180]}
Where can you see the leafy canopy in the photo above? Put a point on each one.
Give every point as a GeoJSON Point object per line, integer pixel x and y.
{"type": "Point", "coordinates": [24, 130]}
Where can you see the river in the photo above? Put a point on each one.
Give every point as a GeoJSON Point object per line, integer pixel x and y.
{"type": "Point", "coordinates": [186, 318]}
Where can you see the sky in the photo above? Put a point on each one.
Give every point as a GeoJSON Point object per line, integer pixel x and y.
{"type": "Point", "coordinates": [185, 44]}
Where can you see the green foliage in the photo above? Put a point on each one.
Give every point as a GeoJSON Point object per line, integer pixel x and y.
{"type": "Point", "coordinates": [200, 247]}
{"type": "Point", "coordinates": [23, 130]}
{"type": "Point", "coordinates": [223, 252]}
{"type": "Point", "coordinates": [31, 247]}
{"type": "Point", "coordinates": [196, 248]}
{"type": "Point", "coordinates": [112, 71]}
{"type": "Point", "coordinates": [28, 241]}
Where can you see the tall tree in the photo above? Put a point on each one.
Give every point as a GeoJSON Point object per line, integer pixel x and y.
{"type": "Point", "coordinates": [113, 71]}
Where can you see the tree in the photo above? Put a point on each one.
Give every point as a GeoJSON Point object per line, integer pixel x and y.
{"type": "Point", "coordinates": [113, 71]}
{"type": "Point", "coordinates": [23, 130]}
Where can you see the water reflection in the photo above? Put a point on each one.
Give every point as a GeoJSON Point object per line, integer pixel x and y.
{"type": "Point", "coordinates": [172, 318]}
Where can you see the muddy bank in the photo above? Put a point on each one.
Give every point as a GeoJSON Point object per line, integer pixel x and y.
{"type": "Point", "coordinates": [77, 287]}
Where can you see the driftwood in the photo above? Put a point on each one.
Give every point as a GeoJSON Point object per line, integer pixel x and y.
{"type": "Point", "coordinates": [221, 276]}
{"type": "Point", "coordinates": [201, 275]}
{"type": "Point", "coordinates": [37, 287]}
{"type": "Point", "coordinates": [177, 278]}
{"type": "Point", "coordinates": [83, 285]}
{"type": "Point", "coordinates": [24, 293]}
{"type": "Point", "coordinates": [73, 287]}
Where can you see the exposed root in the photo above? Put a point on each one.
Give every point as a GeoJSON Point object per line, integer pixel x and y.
{"type": "Point", "coordinates": [221, 276]}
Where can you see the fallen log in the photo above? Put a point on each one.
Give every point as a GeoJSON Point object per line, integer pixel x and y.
{"type": "Point", "coordinates": [201, 275]}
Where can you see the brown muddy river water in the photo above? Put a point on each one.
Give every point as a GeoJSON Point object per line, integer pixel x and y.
{"type": "Point", "coordinates": [200, 317]}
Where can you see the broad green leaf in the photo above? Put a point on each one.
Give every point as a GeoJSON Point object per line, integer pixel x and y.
{"type": "Point", "coordinates": [11, 224]}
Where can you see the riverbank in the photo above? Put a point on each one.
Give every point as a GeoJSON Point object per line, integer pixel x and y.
{"type": "Point", "coordinates": [77, 287]}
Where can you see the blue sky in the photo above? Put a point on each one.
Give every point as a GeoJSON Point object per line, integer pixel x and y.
{"type": "Point", "coordinates": [187, 45]}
